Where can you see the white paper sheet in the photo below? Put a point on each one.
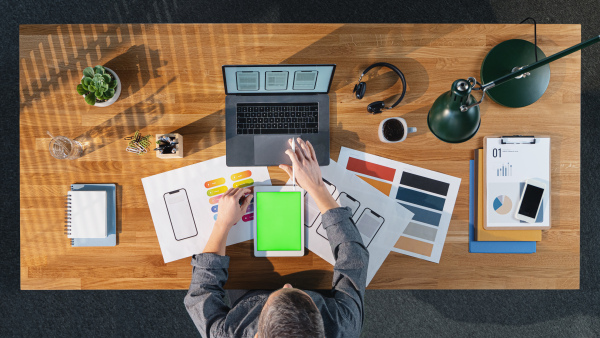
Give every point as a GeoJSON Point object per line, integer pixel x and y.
{"type": "Point", "coordinates": [508, 166]}
{"type": "Point", "coordinates": [379, 219]}
{"type": "Point", "coordinates": [201, 184]}
{"type": "Point", "coordinates": [430, 195]}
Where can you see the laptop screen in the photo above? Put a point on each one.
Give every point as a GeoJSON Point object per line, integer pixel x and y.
{"type": "Point", "coordinates": [278, 79]}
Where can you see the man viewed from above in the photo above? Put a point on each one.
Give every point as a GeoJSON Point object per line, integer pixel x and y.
{"type": "Point", "coordinates": [287, 312]}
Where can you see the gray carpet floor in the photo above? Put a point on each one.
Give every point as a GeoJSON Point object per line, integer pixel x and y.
{"type": "Point", "coordinates": [388, 313]}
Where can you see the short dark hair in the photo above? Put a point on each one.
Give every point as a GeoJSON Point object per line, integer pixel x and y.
{"type": "Point", "coordinates": [291, 313]}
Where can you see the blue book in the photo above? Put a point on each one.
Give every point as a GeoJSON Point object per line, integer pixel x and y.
{"type": "Point", "coordinates": [490, 247]}
{"type": "Point", "coordinates": [111, 215]}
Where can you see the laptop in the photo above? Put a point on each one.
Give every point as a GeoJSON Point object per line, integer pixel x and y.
{"type": "Point", "coordinates": [266, 105]}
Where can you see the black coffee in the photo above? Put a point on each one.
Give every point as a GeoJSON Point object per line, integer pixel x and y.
{"type": "Point", "coordinates": [393, 130]}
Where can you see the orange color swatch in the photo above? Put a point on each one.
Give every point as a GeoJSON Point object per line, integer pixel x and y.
{"type": "Point", "coordinates": [241, 175]}
{"type": "Point", "coordinates": [214, 183]}
{"type": "Point", "coordinates": [384, 187]}
{"type": "Point", "coordinates": [412, 245]}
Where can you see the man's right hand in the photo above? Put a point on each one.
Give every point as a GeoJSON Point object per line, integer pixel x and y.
{"type": "Point", "coordinates": [308, 174]}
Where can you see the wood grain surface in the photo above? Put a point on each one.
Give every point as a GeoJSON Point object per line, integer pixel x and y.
{"type": "Point", "coordinates": [172, 83]}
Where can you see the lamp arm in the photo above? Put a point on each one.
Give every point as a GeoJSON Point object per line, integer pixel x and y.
{"type": "Point", "coordinates": [473, 82]}
{"type": "Point", "coordinates": [542, 62]}
{"type": "Point", "coordinates": [523, 70]}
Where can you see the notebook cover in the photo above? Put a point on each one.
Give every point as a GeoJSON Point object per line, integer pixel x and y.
{"type": "Point", "coordinates": [111, 215]}
{"type": "Point", "coordinates": [490, 247]}
{"type": "Point", "coordinates": [496, 235]}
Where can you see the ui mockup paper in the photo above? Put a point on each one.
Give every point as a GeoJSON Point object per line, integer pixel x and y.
{"type": "Point", "coordinates": [184, 204]}
{"type": "Point", "coordinates": [379, 219]}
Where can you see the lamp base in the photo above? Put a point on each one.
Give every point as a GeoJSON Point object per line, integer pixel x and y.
{"type": "Point", "coordinates": [501, 60]}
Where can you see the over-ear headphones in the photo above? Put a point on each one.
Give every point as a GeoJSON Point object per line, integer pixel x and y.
{"type": "Point", "coordinates": [377, 106]}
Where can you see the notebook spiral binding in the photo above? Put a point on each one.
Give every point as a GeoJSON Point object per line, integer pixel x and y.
{"type": "Point", "coordinates": [67, 226]}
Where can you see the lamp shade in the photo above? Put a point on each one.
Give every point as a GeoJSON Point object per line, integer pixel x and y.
{"type": "Point", "coordinates": [446, 120]}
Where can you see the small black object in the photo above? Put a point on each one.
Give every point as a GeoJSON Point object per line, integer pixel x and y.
{"type": "Point", "coordinates": [375, 107]}
{"type": "Point", "coordinates": [361, 87]}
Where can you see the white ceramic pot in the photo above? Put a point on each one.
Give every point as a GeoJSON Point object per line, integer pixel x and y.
{"type": "Point", "coordinates": [117, 90]}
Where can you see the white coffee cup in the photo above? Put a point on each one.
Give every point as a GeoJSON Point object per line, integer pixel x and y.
{"type": "Point", "coordinates": [397, 135]}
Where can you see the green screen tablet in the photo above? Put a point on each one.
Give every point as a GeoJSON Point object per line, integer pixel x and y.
{"type": "Point", "coordinates": [278, 220]}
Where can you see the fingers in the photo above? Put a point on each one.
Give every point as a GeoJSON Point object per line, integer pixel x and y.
{"type": "Point", "coordinates": [247, 201]}
{"type": "Point", "coordinates": [239, 192]}
{"type": "Point", "coordinates": [228, 192]}
{"type": "Point", "coordinates": [312, 150]}
{"type": "Point", "coordinates": [292, 156]}
{"type": "Point", "coordinates": [304, 147]}
{"type": "Point", "coordinates": [297, 151]}
{"type": "Point", "coordinates": [287, 169]}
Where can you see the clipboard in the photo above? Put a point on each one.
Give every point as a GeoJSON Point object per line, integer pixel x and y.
{"type": "Point", "coordinates": [508, 161]}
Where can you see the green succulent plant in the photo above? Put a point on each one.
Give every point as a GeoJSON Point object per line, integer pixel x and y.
{"type": "Point", "coordinates": [97, 85]}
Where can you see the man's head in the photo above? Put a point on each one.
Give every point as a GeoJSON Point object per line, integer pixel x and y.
{"type": "Point", "coordinates": [290, 312]}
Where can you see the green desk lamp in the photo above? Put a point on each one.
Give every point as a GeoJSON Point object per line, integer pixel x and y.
{"type": "Point", "coordinates": [454, 117]}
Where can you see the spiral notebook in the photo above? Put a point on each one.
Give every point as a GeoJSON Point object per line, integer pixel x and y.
{"type": "Point", "coordinates": [86, 214]}
{"type": "Point", "coordinates": [111, 215]}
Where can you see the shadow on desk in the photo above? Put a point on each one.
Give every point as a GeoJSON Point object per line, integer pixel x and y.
{"type": "Point", "coordinates": [245, 270]}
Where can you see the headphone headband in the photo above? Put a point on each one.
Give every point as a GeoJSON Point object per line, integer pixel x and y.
{"type": "Point", "coordinates": [393, 68]}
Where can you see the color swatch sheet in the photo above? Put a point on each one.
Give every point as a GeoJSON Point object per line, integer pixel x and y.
{"type": "Point", "coordinates": [184, 204]}
{"type": "Point", "coordinates": [430, 195]}
{"type": "Point", "coordinates": [507, 167]}
{"type": "Point", "coordinates": [379, 220]}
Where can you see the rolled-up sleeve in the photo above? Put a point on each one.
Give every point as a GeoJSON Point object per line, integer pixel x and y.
{"type": "Point", "coordinates": [205, 300]}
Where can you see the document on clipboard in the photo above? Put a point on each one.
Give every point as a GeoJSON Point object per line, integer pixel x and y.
{"type": "Point", "coordinates": [508, 162]}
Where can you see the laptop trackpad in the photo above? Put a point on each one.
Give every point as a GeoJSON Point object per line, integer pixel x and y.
{"type": "Point", "coordinates": [270, 149]}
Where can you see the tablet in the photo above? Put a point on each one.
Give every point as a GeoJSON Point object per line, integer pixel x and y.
{"type": "Point", "coordinates": [278, 221]}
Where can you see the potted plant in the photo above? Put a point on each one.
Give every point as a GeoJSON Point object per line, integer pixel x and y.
{"type": "Point", "coordinates": [100, 86]}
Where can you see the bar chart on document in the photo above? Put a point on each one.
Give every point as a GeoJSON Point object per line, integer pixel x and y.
{"type": "Point", "coordinates": [428, 194]}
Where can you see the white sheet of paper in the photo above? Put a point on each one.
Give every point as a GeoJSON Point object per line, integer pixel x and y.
{"type": "Point", "coordinates": [508, 166]}
{"type": "Point", "coordinates": [430, 195]}
{"type": "Point", "coordinates": [379, 219]}
{"type": "Point", "coordinates": [201, 184]}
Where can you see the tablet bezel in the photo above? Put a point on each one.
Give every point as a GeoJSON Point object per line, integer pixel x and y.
{"type": "Point", "coordinates": [281, 188]}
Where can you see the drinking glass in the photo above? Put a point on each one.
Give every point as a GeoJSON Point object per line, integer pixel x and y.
{"type": "Point", "coordinates": [62, 147]}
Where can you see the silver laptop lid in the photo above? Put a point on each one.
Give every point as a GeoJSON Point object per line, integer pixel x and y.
{"type": "Point", "coordinates": [277, 79]}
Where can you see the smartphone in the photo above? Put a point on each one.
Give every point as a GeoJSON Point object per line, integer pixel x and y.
{"type": "Point", "coordinates": [180, 214]}
{"type": "Point", "coordinates": [313, 210]}
{"type": "Point", "coordinates": [531, 199]}
{"type": "Point", "coordinates": [344, 200]}
{"type": "Point", "coordinates": [369, 224]}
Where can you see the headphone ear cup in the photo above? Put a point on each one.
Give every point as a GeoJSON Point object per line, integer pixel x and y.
{"type": "Point", "coordinates": [375, 107]}
{"type": "Point", "coordinates": [360, 90]}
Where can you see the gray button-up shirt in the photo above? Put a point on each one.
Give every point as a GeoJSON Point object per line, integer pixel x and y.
{"type": "Point", "coordinates": [341, 308]}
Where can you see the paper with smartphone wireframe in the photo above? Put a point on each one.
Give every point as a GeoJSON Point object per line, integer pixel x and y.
{"type": "Point", "coordinates": [184, 204]}
{"type": "Point", "coordinates": [430, 195]}
{"type": "Point", "coordinates": [379, 220]}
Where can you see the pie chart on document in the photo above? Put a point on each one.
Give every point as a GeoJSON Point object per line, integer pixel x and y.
{"type": "Point", "coordinates": [502, 204]}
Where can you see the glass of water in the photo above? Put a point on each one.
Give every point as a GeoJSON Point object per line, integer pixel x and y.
{"type": "Point", "coordinates": [62, 147]}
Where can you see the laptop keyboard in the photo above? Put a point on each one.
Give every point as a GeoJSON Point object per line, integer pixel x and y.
{"type": "Point", "coordinates": [274, 118]}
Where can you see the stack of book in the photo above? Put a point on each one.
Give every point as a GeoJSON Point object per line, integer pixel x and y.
{"type": "Point", "coordinates": [492, 241]}
{"type": "Point", "coordinates": [91, 215]}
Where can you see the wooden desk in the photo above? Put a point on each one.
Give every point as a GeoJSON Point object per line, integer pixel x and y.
{"type": "Point", "coordinates": [172, 82]}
